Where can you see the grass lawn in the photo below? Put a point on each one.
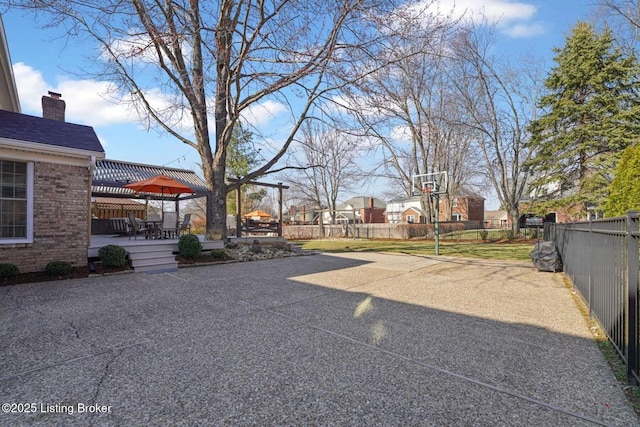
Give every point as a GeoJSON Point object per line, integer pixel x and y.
{"type": "Point", "coordinates": [490, 250]}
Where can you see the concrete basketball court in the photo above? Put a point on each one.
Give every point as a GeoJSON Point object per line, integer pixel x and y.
{"type": "Point", "coordinates": [356, 339]}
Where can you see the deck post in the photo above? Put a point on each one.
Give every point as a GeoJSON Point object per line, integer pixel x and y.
{"type": "Point", "coordinates": [280, 233]}
{"type": "Point", "coordinates": [238, 211]}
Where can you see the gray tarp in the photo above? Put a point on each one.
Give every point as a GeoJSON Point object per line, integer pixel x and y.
{"type": "Point", "coordinates": [545, 257]}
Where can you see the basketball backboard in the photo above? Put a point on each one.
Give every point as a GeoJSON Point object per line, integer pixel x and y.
{"type": "Point", "coordinates": [430, 184]}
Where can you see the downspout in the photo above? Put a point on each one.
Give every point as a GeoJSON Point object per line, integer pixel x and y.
{"type": "Point", "coordinates": [91, 168]}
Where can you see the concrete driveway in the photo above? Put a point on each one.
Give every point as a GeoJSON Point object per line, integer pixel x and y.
{"type": "Point", "coordinates": [351, 339]}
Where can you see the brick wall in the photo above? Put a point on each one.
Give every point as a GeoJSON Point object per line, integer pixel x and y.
{"type": "Point", "coordinates": [372, 215]}
{"type": "Point", "coordinates": [476, 210]}
{"type": "Point", "coordinates": [60, 219]}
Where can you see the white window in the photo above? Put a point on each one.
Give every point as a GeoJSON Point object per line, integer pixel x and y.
{"type": "Point", "coordinates": [455, 203]}
{"type": "Point", "coordinates": [16, 202]}
{"type": "Point", "coordinates": [456, 217]}
{"type": "Point", "coordinates": [411, 219]}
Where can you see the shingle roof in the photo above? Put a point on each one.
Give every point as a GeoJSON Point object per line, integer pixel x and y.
{"type": "Point", "coordinates": [360, 202]}
{"type": "Point", "coordinates": [23, 127]}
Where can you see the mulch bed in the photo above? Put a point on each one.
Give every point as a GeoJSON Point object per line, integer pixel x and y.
{"type": "Point", "coordinates": [80, 272]}
{"type": "Point", "coordinates": [76, 273]}
{"type": "Point", "coordinates": [205, 258]}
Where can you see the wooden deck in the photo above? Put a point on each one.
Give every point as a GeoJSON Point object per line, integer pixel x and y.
{"type": "Point", "coordinates": [98, 241]}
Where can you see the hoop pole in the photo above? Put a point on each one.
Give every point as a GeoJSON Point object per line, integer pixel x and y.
{"type": "Point", "coordinates": [436, 227]}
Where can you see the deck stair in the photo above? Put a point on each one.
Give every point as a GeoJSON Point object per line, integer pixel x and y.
{"type": "Point", "coordinates": [155, 257]}
{"type": "Point", "coordinates": [148, 255]}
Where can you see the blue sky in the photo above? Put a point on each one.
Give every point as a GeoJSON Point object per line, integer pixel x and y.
{"type": "Point", "coordinates": [43, 61]}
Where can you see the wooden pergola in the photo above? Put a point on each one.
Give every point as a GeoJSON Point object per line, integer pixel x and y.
{"type": "Point", "coordinates": [265, 228]}
{"type": "Point", "coordinates": [111, 176]}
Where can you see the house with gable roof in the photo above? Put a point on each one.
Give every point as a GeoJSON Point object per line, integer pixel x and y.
{"type": "Point", "coordinates": [359, 210]}
{"type": "Point", "coordinates": [466, 206]}
{"type": "Point", "coordinates": [45, 180]}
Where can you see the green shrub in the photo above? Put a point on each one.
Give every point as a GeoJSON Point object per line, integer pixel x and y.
{"type": "Point", "coordinates": [58, 268]}
{"type": "Point", "coordinates": [484, 234]}
{"type": "Point", "coordinates": [218, 254]}
{"type": "Point", "coordinates": [112, 256]}
{"type": "Point", "coordinates": [8, 270]}
{"type": "Point", "coordinates": [189, 246]}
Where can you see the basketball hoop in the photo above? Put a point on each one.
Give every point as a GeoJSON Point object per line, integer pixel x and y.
{"type": "Point", "coordinates": [431, 184]}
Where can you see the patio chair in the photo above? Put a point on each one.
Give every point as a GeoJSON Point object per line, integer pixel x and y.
{"type": "Point", "coordinates": [135, 227]}
{"type": "Point", "coordinates": [119, 226]}
{"type": "Point", "coordinates": [169, 224]}
{"type": "Point", "coordinates": [185, 225]}
{"type": "Point", "coordinates": [153, 223]}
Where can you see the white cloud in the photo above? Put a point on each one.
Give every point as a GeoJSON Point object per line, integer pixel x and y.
{"type": "Point", "coordinates": [496, 11]}
{"type": "Point", "coordinates": [262, 113]}
{"type": "Point", "coordinates": [95, 103]}
{"type": "Point", "coordinates": [525, 30]}
{"type": "Point", "coordinates": [511, 17]}
{"type": "Point", "coordinates": [31, 86]}
{"type": "Point", "coordinates": [87, 101]}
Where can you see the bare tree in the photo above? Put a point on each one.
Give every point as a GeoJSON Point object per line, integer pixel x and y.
{"type": "Point", "coordinates": [326, 164]}
{"type": "Point", "coordinates": [212, 62]}
{"type": "Point", "coordinates": [409, 108]}
{"type": "Point", "coordinates": [626, 12]}
{"type": "Point", "coordinates": [622, 17]}
{"type": "Point", "coordinates": [499, 103]}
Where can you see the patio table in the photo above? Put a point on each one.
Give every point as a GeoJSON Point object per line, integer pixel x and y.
{"type": "Point", "coordinates": [154, 228]}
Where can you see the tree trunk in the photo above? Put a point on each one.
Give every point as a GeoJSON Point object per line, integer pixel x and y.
{"type": "Point", "coordinates": [514, 216]}
{"type": "Point", "coordinates": [216, 202]}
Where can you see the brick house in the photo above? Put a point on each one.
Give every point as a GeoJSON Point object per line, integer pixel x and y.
{"type": "Point", "coordinates": [466, 207]}
{"type": "Point", "coordinates": [496, 219]}
{"type": "Point", "coordinates": [361, 210]}
{"type": "Point", "coordinates": [45, 179]}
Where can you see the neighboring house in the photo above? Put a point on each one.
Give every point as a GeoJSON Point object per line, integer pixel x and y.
{"type": "Point", "coordinates": [396, 206]}
{"type": "Point", "coordinates": [496, 219]}
{"type": "Point", "coordinates": [412, 215]}
{"type": "Point", "coordinates": [359, 210]}
{"type": "Point", "coordinates": [468, 207]}
{"type": "Point", "coordinates": [305, 214]}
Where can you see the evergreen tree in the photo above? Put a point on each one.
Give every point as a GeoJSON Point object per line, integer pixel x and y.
{"type": "Point", "coordinates": [589, 116]}
{"type": "Point", "coordinates": [624, 192]}
{"type": "Point", "coordinates": [242, 157]}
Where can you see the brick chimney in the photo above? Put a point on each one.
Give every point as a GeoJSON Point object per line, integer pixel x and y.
{"type": "Point", "coordinates": [53, 107]}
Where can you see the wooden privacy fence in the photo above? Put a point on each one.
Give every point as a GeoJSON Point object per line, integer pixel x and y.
{"type": "Point", "coordinates": [104, 210]}
{"type": "Point", "coordinates": [374, 231]}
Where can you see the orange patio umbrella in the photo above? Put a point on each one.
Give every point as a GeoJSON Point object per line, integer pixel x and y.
{"type": "Point", "coordinates": [160, 184]}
